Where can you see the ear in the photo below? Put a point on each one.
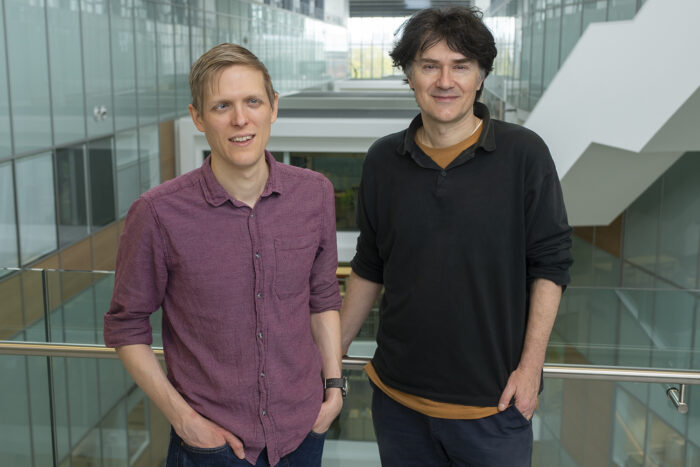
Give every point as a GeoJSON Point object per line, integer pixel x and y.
{"type": "Point", "coordinates": [275, 104]}
{"type": "Point", "coordinates": [196, 118]}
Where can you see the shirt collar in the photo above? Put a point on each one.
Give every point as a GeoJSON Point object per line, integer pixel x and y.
{"type": "Point", "coordinates": [216, 195]}
{"type": "Point", "coordinates": [487, 140]}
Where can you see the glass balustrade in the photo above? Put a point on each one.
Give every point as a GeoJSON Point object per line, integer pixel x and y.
{"type": "Point", "coordinates": [70, 411]}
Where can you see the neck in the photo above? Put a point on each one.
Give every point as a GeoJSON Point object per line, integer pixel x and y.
{"type": "Point", "coordinates": [443, 135]}
{"type": "Point", "coordinates": [246, 185]}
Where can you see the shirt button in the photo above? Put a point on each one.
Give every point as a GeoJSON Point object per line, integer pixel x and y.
{"type": "Point", "coordinates": [443, 173]}
{"type": "Point", "coordinates": [257, 254]}
{"type": "Point", "coordinates": [260, 334]}
{"type": "Point", "coordinates": [264, 412]}
{"type": "Point", "coordinates": [252, 215]}
{"type": "Point", "coordinates": [262, 374]}
{"type": "Point", "coordinates": [259, 295]}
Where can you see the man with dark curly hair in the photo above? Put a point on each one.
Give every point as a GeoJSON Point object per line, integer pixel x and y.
{"type": "Point", "coordinates": [462, 222]}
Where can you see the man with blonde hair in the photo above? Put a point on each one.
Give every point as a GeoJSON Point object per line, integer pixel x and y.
{"type": "Point", "coordinates": [240, 254]}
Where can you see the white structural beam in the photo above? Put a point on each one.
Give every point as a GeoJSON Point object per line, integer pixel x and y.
{"type": "Point", "coordinates": [623, 107]}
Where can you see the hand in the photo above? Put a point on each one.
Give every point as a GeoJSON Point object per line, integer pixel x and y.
{"type": "Point", "coordinates": [197, 431]}
{"type": "Point", "coordinates": [523, 384]}
{"type": "Point", "coordinates": [329, 410]}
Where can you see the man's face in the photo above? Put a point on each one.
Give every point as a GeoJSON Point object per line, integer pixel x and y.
{"type": "Point", "coordinates": [236, 117]}
{"type": "Point", "coordinates": [445, 83]}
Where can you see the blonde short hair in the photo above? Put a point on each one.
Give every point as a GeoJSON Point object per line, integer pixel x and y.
{"type": "Point", "coordinates": [215, 60]}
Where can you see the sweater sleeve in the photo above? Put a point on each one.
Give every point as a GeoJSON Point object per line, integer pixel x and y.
{"type": "Point", "coordinates": [548, 234]}
{"type": "Point", "coordinates": [367, 263]}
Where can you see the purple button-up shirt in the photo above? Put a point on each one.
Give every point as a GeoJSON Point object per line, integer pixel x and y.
{"type": "Point", "coordinates": [237, 286]}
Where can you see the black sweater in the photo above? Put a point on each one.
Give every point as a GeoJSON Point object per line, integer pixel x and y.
{"type": "Point", "coordinates": [457, 250]}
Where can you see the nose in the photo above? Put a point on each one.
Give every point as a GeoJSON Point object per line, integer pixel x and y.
{"type": "Point", "coordinates": [239, 117]}
{"type": "Point", "coordinates": [445, 80]}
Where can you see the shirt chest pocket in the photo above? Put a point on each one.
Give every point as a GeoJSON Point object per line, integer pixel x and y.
{"type": "Point", "coordinates": [294, 257]}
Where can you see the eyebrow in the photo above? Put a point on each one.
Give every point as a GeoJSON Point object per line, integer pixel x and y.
{"type": "Point", "coordinates": [461, 60]}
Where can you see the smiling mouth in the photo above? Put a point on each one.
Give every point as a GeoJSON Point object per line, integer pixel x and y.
{"type": "Point", "coordinates": [241, 139]}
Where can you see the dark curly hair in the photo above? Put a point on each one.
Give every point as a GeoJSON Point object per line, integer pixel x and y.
{"type": "Point", "coordinates": [461, 28]}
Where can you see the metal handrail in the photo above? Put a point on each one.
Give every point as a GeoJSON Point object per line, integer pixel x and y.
{"type": "Point", "coordinates": [564, 371]}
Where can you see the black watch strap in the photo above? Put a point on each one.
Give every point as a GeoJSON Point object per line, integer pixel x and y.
{"type": "Point", "coordinates": [341, 383]}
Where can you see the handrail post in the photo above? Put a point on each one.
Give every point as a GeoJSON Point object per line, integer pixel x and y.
{"type": "Point", "coordinates": [678, 397]}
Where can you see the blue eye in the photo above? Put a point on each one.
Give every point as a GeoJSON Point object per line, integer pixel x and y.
{"type": "Point", "coordinates": [220, 106]}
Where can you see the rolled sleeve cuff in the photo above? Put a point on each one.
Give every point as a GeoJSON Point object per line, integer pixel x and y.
{"type": "Point", "coordinates": [118, 332]}
{"type": "Point", "coordinates": [366, 270]}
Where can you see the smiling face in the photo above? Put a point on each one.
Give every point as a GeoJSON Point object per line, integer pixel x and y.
{"type": "Point", "coordinates": [445, 83]}
{"type": "Point", "coordinates": [236, 117]}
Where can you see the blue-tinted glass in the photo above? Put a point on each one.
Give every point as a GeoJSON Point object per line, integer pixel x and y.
{"type": "Point", "coordinates": [621, 9]}
{"type": "Point", "coordinates": [594, 12]}
{"type": "Point", "coordinates": [551, 44]}
{"type": "Point", "coordinates": [72, 205]}
{"type": "Point", "coordinates": [8, 224]}
{"type": "Point", "coordinates": [166, 62]}
{"type": "Point", "coordinates": [537, 57]}
{"type": "Point", "coordinates": [147, 86]}
{"type": "Point", "coordinates": [35, 202]}
{"type": "Point", "coordinates": [570, 30]}
{"type": "Point", "coordinates": [123, 66]}
{"type": "Point", "coordinates": [15, 423]}
{"type": "Point", "coordinates": [150, 157]}
{"type": "Point", "coordinates": [5, 138]}
{"type": "Point", "coordinates": [127, 169]}
{"type": "Point", "coordinates": [182, 59]}
{"type": "Point", "coordinates": [525, 67]}
{"type": "Point", "coordinates": [29, 78]}
{"type": "Point", "coordinates": [629, 429]}
{"type": "Point", "coordinates": [66, 71]}
{"type": "Point", "coordinates": [197, 47]}
{"type": "Point", "coordinates": [679, 237]}
{"type": "Point", "coordinates": [641, 234]}
{"type": "Point", "coordinates": [96, 53]}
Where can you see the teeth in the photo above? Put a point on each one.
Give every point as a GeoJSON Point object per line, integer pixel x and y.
{"type": "Point", "coordinates": [240, 139]}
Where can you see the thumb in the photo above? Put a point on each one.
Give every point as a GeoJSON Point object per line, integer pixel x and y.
{"type": "Point", "coordinates": [506, 397]}
{"type": "Point", "coordinates": [235, 444]}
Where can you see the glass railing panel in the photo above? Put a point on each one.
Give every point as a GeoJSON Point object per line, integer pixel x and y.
{"type": "Point", "coordinates": [350, 440]}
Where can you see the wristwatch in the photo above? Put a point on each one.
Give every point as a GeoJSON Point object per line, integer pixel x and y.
{"type": "Point", "coordinates": [341, 383]}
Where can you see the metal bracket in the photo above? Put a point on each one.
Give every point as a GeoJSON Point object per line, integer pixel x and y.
{"type": "Point", "coordinates": [678, 397]}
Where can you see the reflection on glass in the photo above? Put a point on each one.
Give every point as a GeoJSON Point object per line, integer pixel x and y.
{"type": "Point", "coordinates": [8, 224]}
{"type": "Point", "coordinates": [29, 82]}
{"type": "Point", "coordinates": [66, 71]}
{"type": "Point", "coordinates": [15, 423]}
{"type": "Point", "coordinates": [101, 182]}
{"type": "Point", "coordinates": [166, 62]}
{"type": "Point", "coordinates": [35, 202]}
{"type": "Point", "coordinates": [123, 72]}
{"type": "Point", "coordinates": [150, 157]}
{"type": "Point", "coordinates": [96, 59]}
{"type": "Point", "coordinates": [182, 58]}
{"type": "Point", "coordinates": [72, 206]}
{"type": "Point", "coordinates": [147, 87]}
{"type": "Point", "coordinates": [5, 138]}
{"type": "Point", "coordinates": [629, 430]}
{"type": "Point", "coordinates": [127, 169]}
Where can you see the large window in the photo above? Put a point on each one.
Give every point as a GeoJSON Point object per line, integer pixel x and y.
{"type": "Point", "coordinates": [8, 226]}
{"type": "Point", "coordinates": [36, 207]}
{"type": "Point", "coordinates": [101, 182]}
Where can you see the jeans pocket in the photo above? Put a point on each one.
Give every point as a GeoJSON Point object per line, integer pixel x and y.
{"type": "Point", "coordinates": [519, 414]}
{"type": "Point", "coordinates": [197, 450]}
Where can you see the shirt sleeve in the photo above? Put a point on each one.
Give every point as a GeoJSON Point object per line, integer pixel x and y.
{"type": "Point", "coordinates": [140, 279]}
{"type": "Point", "coordinates": [367, 263]}
{"type": "Point", "coordinates": [548, 234]}
{"type": "Point", "coordinates": [324, 290]}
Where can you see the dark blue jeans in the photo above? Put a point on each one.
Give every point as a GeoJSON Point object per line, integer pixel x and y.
{"type": "Point", "coordinates": [308, 454]}
{"type": "Point", "coordinates": [409, 438]}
